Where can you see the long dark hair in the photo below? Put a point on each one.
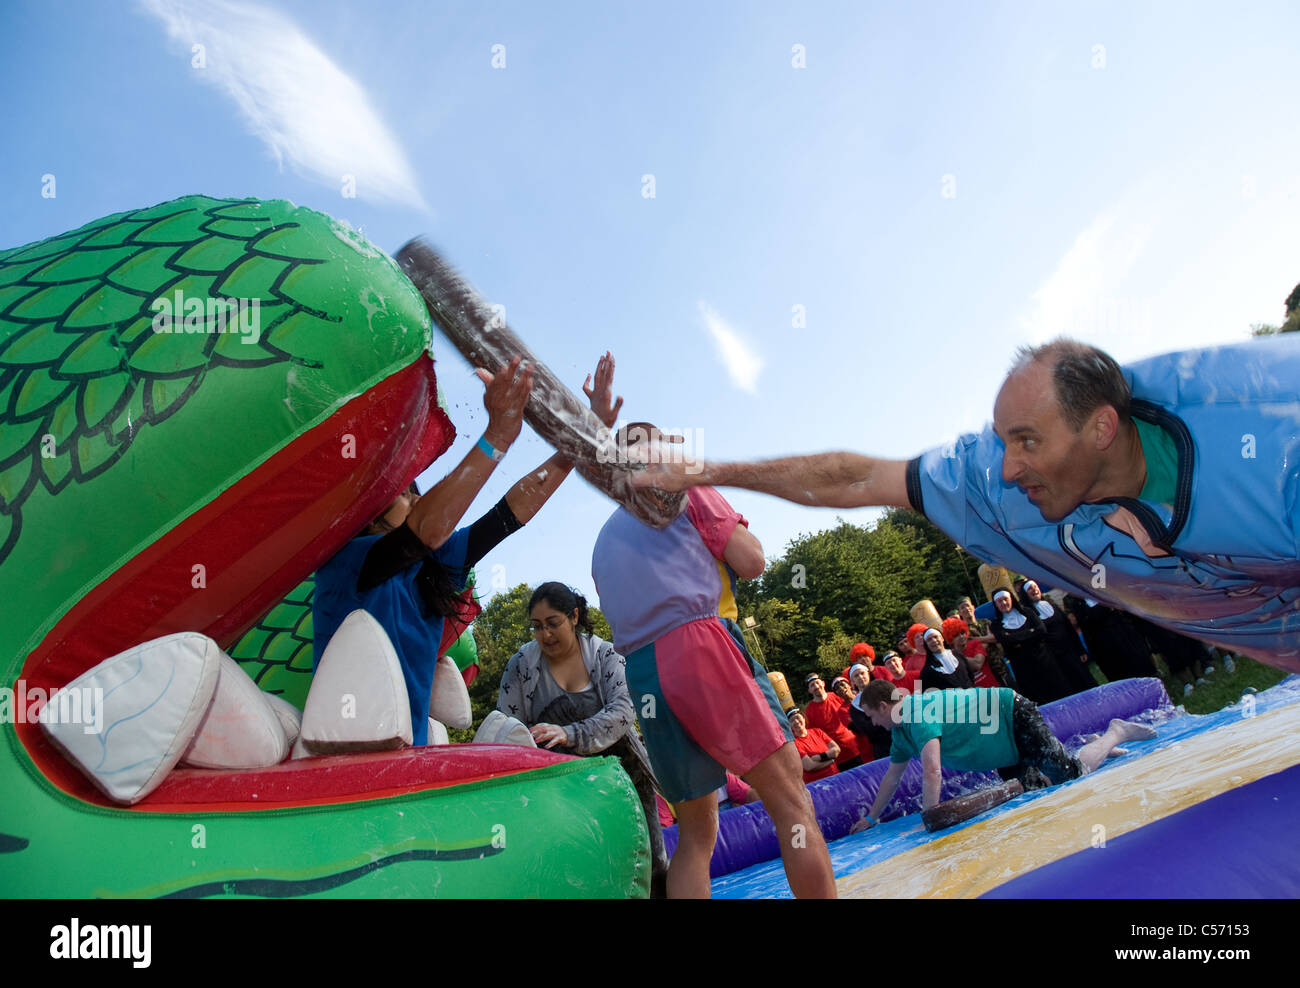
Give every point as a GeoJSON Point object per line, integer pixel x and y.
{"type": "Point", "coordinates": [380, 525]}
{"type": "Point", "coordinates": [564, 599]}
{"type": "Point", "coordinates": [437, 585]}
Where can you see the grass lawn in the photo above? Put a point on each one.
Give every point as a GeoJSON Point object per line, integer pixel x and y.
{"type": "Point", "coordinates": [1221, 688]}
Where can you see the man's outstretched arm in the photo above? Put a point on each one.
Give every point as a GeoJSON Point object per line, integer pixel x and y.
{"type": "Point", "coordinates": [888, 786]}
{"type": "Point", "coordinates": [830, 480]}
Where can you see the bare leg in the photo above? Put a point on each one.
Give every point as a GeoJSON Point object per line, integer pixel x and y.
{"type": "Point", "coordinates": [697, 831]}
{"type": "Point", "coordinates": [1096, 752]}
{"type": "Point", "coordinates": [779, 781]}
{"type": "Point", "coordinates": [1114, 752]}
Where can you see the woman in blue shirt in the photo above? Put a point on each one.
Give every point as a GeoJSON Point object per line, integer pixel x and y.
{"type": "Point", "coordinates": [409, 567]}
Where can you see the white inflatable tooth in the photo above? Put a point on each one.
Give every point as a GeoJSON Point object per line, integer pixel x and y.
{"type": "Point", "coordinates": [497, 728]}
{"type": "Point", "coordinates": [438, 733]}
{"type": "Point", "coordinates": [449, 700]}
{"type": "Point", "coordinates": [290, 716]}
{"type": "Point", "coordinates": [358, 699]}
{"type": "Point", "coordinates": [241, 729]}
{"type": "Point", "coordinates": [147, 704]}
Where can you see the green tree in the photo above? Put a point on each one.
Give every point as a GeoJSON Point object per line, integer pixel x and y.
{"type": "Point", "coordinates": [833, 656]}
{"type": "Point", "coordinates": [951, 571]}
{"type": "Point", "coordinates": [851, 583]}
{"type": "Point", "coordinates": [499, 632]}
{"type": "Point", "coordinates": [1291, 322]}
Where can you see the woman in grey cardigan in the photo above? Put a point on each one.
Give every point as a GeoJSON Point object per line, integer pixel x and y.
{"type": "Point", "coordinates": [568, 686]}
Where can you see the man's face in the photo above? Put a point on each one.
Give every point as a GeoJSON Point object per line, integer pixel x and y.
{"type": "Point", "coordinates": [1054, 465]}
{"type": "Point", "coordinates": [861, 677]}
{"type": "Point", "coordinates": [895, 665]}
{"type": "Point", "coordinates": [797, 725]}
{"type": "Point", "coordinates": [1033, 592]}
{"type": "Point", "coordinates": [817, 690]}
{"type": "Point", "coordinates": [967, 611]}
{"type": "Point", "coordinates": [882, 716]}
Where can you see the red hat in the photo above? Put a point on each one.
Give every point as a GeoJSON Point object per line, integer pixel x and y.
{"type": "Point", "coordinates": [913, 631]}
{"type": "Point", "coordinates": [954, 626]}
{"type": "Point", "coordinates": [859, 650]}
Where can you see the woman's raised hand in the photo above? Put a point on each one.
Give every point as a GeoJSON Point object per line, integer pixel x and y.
{"type": "Point", "coordinates": [504, 398]}
{"type": "Point", "coordinates": [602, 393]}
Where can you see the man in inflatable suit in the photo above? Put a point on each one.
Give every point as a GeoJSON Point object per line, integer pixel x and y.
{"type": "Point", "coordinates": [1167, 488]}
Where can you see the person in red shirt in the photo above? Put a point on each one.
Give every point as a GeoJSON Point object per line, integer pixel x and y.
{"type": "Point", "coordinates": [860, 653]}
{"type": "Point", "coordinates": [893, 669]}
{"type": "Point", "coordinates": [831, 714]}
{"type": "Point", "coordinates": [859, 676]}
{"type": "Point", "coordinates": [817, 749]}
{"type": "Point", "coordinates": [903, 646]}
{"type": "Point", "coordinates": [916, 661]}
{"type": "Point", "coordinates": [956, 633]}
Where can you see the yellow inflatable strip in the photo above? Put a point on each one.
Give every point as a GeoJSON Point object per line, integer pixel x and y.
{"type": "Point", "coordinates": [1083, 814]}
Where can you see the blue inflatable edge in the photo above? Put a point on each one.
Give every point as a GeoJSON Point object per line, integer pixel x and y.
{"type": "Point", "coordinates": [1202, 852]}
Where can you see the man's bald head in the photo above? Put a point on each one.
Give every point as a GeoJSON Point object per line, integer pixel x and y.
{"type": "Point", "coordinates": [1063, 415]}
{"type": "Point", "coordinates": [1085, 378]}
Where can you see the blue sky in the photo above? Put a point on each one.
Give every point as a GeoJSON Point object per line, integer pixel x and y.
{"type": "Point", "coordinates": [937, 184]}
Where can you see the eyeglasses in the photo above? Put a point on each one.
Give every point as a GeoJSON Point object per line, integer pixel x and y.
{"type": "Point", "coordinates": [550, 624]}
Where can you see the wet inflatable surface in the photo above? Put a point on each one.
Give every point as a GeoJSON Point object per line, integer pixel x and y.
{"type": "Point", "coordinates": [1236, 768]}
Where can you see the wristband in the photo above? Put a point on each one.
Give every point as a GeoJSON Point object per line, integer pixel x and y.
{"type": "Point", "coordinates": [488, 450]}
{"type": "Point", "coordinates": [872, 820]}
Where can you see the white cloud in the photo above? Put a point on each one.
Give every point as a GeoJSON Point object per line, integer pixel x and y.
{"type": "Point", "coordinates": [1085, 296]}
{"type": "Point", "coordinates": [738, 357]}
{"type": "Point", "coordinates": [1176, 262]}
{"type": "Point", "coordinates": [308, 111]}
